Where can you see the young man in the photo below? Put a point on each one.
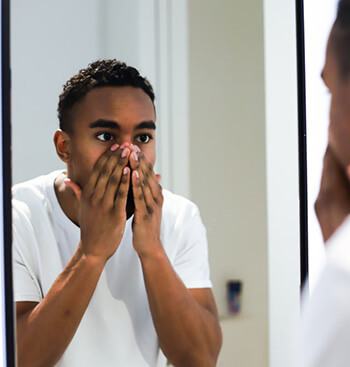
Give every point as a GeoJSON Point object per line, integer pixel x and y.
{"type": "Point", "coordinates": [110, 268]}
{"type": "Point", "coordinates": [325, 335]}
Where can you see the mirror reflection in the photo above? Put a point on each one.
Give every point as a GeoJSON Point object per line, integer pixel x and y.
{"type": "Point", "coordinates": [139, 164]}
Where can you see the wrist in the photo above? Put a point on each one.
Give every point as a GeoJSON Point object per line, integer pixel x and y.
{"type": "Point", "coordinates": [150, 252]}
{"type": "Point", "coordinates": [93, 260]}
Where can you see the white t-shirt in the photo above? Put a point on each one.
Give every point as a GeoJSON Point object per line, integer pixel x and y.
{"type": "Point", "coordinates": [325, 322]}
{"type": "Point", "coordinates": [117, 328]}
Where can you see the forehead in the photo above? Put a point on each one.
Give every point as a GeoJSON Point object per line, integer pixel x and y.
{"type": "Point", "coordinates": [124, 104]}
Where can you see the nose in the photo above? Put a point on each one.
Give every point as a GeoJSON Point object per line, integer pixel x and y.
{"type": "Point", "coordinates": [125, 140]}
{"type": "Point", "coordinates": [130, 145]}
{"type": "Point", "coordinates": [125, 144]}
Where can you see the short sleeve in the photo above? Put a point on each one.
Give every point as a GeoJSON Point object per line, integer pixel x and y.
{"type": "Point", "coordinates": [191, 261]}
{"type": "Point", "coordinates": [26, 285]}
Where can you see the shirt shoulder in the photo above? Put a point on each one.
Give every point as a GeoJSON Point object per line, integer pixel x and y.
{"type": "Point", "coordinates": [34, 192]}
{"type": "Point", "coordinates": [177, 207]}
{"type": "Point", "coordinates": [181, 222]}
{"type": "Point", "coordinates": [189, 247]}
{"type": "Point", "coordinates": [35, 186]}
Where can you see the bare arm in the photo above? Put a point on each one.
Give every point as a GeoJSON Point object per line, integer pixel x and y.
{"type": "Point", "coordinates": [185, 319]}
{"type": "Point", "coordinates": [44, 330]}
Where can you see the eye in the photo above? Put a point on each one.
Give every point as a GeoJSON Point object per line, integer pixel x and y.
{"type": "Point", "coordinates": [105, 136]}
{"type": "Point", "coordinates": [144, 138]}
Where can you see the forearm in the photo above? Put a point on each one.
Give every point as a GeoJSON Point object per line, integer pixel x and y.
{"type": "Point", "coordinates": [45, 332]}
{"type": "Point", "coordinates": [189, 334]}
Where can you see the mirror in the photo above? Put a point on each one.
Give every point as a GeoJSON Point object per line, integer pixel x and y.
{"type": "Point", "coordinates": [208, 63]}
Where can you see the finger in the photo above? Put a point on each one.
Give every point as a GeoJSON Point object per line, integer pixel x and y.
{"type": "Point", "coordinates": [114, 147]}
{"type": "Point", "coordinates": [134, 160]}
{"type": "Point", "coordinates": [150, 179]}
{"type": "Point", "coordinates": [74, 187]}
{"type": "Point", "coordinates": [156, 189]}
{"type": "Point", "coordinates": [91, 184]}
{"type": "Point", "coordinates": [140, 205]}
{"type": "Point", "coordinates": [158, 177]}
{"type": "Point", "coordinates": [149, 176]}
{"type": "Point", "coordinates": [114, 181]}
{"type": "Point", "coordinates": [122, 193]}
{"type": "Point", "coordinates": [147, 193]}
{"type": "Point", "coordinates": [119, 159]}
{"type": "Point", "coordinates": [124, 145]}
{"type": "Point", "coordinates": [136, 149]}
{"type": "Point", "coordinates": [145, 165]}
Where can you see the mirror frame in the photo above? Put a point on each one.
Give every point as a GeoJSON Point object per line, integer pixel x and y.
{"type": "Point", "coordinates": [7, 283]}
{"type": "Point", "coordinates": [303, 203]}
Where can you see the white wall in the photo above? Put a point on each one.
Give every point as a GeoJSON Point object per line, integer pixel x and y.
{"type": "Point", "coordinates": [49, 44]}
{"type": "Point", "coordinates": [52, 41]}
{"type": "Point", "coordinates": [227, 161]}
{"type": "Point", "coordinates": [244, 168]}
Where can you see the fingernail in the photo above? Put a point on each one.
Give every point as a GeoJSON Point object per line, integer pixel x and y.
{"type": "Point", "coordinates": [136, 174]}
{"type": "Point", "coordinates": [137, 148]}
{"type": "Point", "coordinates": [134, 156]}
{"type": "Point", "coordinates": [114, 147]}
{"type": "Point", "coordinates": [125, 170]}
{"type": "Point", "coordinates": [125, 152]}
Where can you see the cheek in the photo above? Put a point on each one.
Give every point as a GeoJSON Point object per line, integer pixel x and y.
{"type": "Point", "coordinates": [88, 156]}
{"type": "Point", "coordinates": [83, 161]}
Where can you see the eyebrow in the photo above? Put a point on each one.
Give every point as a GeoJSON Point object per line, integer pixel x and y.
{"type": "Point", "coordinates": [111, 124]}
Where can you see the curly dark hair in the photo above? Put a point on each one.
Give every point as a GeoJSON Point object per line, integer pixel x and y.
{"type": "Point", "coordinates": [98, 74]}
{"type": "Point", "coordinates": [341, 38]}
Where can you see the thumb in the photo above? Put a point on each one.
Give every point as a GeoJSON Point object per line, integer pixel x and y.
{"type": "Point", "coordinates": [74, 187]}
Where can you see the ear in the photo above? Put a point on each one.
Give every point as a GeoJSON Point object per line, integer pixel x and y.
{"type": "Point", "coordinates": [62, 144]}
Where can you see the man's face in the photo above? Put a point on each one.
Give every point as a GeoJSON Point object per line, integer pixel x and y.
{"type": "Point", "coordinates": [105, 116]}
{"type": "Point", "coordinates": [339, 87]}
